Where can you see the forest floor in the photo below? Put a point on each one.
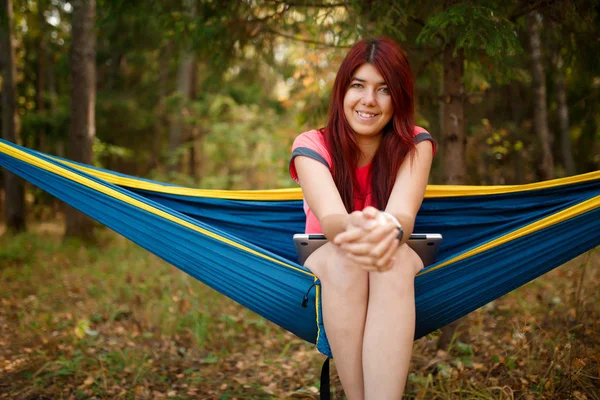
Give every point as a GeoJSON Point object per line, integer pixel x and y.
{"type": "Point", "coordinates": [113, 321]}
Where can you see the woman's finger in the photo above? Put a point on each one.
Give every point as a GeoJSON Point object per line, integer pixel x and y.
{"type": "Point", "coordinates": [384, 245]}
{"type": "Point", "coordinates": [370, 212]}
{"type": "Point", "coordinates": [365, 260]}
{"type": "Point", "coordinates": [379, 233]}
{"type": "Point", "coordinates": [356, 218]}
{"type": "Point", "coordinates": [358, 248]}
{"type": "Point", "coordinates": [386, 259]}
{"type": "Point", "coordinates": [386, 267]}
{"type": "Point", "coordinates": [363, 243]}
{"type": "Point", "coordinates": [349, 235]}
{"type": "Point", "coordinates": [358, 262]}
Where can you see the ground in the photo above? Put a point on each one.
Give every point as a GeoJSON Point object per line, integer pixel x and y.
{"type": "Point", "coordinates": [110, 320]}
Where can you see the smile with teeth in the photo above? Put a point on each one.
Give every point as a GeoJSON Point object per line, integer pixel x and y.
{"type": "Point", "coordinates": [366, 115]}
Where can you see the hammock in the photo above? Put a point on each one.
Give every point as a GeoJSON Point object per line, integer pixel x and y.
{"type": "Point", "coordinates": [496, 238]}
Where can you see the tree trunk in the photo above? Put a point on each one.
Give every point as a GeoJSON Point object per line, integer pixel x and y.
{"type": "Point", "coordinates": [40, 100]}
{"type": "Point", "coordinates": [540, 118]}
{"type": "Point", "coordinates": [83, 102]}
{"type": "Point", "coordinates": [14, 208]}
{"type": "Point", "coordinates": [194, 138]}
{"type": "Point", "coordinates": [185, 77]}
{"type": "Point", "coordinates": [177, 126]}
{"type": "Point", "coordinates": [163, 117]}
{"type": "Point", "coordinates": [516, 108]}
{"type": "Point", "coordinates": [454, 140]}
{"type": "Point", "coordinates": [563, 117]}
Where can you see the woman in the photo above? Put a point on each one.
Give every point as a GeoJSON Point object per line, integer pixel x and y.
{"type": "Point", "coordinates": [370, 157]}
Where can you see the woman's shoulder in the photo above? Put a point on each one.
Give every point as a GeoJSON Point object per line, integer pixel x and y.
{"type": "Point", "coordinates": [310, 144]}
{"type": "Point", "coordinates": [418, 130]}
{"type": "Point", "coordinates": [312, 136]}
{"type": "Point", "coordinates": [314, 140]}
{"type": "Point", "coordinates": [420, 134]}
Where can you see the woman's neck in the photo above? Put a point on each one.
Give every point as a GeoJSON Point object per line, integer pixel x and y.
{"type": "Point", "coordinates": [368, 146]}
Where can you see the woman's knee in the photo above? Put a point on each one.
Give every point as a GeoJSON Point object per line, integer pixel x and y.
{"type": "Point", "coordinates": [407, 262]}
{"type": "Point", "coordinates": [334, 271]}
{"type": "Point", "coordinates": [406, 266]}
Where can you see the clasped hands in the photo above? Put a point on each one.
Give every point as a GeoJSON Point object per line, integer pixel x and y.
{"type": "Point", "coordinates": [370, 240]}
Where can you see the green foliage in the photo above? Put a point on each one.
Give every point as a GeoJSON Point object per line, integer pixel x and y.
{"type": "Point", "coordinates": [104, 150]}
{"type": "Point", "coordinates": [54, 123]}
{"type": "Point", "coordinates": [245, 143]}
{"type": "Point", "coordinates": [473, 27]}
{"type": "Point", "coordinates": [264, 70]}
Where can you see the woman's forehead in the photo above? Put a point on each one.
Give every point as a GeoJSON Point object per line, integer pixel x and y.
{"type": "Point", "coordinates": [368, 73]}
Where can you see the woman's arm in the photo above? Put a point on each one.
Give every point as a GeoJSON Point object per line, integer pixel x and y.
{"type": "Point", "coordinates": [409, 188]}
{"type": "Point", "coordinates": [404, 203]}
{"type": "Point", "coordinates": [322, 195]}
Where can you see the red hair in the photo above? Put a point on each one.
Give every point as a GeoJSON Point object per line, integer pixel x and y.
{"type": "Point", "coordinates": [397, 136]}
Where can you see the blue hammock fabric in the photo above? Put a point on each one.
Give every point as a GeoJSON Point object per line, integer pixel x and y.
{"type": "Point", "coordinates": [240, 243]}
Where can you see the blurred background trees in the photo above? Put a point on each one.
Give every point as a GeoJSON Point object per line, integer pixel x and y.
{"type": "Point", "coordinates": [211, 93]}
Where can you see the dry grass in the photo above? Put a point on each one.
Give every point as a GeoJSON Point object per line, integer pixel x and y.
{"type": "Point", "coordinates": [113, 321]}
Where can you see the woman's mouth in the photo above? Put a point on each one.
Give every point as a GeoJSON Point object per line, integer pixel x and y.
{"type": "Point", "coordinates": [365, 116]}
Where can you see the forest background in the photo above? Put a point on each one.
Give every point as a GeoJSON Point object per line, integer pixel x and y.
{"type": "Point", "coordinates": [211, 94]}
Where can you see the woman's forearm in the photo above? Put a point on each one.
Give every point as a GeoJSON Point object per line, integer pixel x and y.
{"type": "Point", "coordinates": [333, 224]}
{"type": "Point", "coordinates": [407, 222]}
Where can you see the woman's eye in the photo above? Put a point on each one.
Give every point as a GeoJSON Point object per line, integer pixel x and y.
{"type": "Point", "coordinates": [385, 90]}
{"type": "Point", "coordinates": [356, 85]}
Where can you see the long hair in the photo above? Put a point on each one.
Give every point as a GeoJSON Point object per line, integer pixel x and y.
{"type": "Point", "coordinates": [397, 136]}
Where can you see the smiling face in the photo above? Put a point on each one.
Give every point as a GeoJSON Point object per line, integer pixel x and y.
{"type": "Point", "coordinates": [368, 103]}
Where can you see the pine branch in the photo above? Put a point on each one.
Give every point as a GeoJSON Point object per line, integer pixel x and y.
{"type": "Point", "coordinates": [303, 40]}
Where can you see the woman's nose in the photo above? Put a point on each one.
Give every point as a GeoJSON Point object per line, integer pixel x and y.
{"type": "Point", "coordinates": [368, 98]}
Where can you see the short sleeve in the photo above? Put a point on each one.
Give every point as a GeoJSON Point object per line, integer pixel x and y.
{"type": "Point", "coordinates": [420, 134]}
{"type": "Point", "coordinates": [310, 144]}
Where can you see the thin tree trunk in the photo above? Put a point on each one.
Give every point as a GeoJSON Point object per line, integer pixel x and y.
{"type": "Point", "coordinates": [194, 132]}
{"type": "Point", "coordinates": [162, 105]}
{"type": "Point", "coordinates": [83, 102]}
{"type": "Point", "coordinates": [14, 207]}
{"type": "Point", "coordinates": [516, 108]}
{"type": "Point", "coordinates": [193, 154]}
{"type": "Point", "coordinates": [185, 76]}
{"type": "Point", "coordinates": [177, 127]}
{"type": "Point", "coordinates": [540, 118]}
{"type": "Point", "coordinates": [454, 140]}
{"type": "Point", "coordinates": [563, 117]}
{"type": "Point", "coordinates": [40, 99]}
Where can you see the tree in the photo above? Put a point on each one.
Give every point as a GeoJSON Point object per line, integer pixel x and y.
{"type": "Point", "coordinates": [83, 102]}
{"type": "Point", "coordinates": [40, 90]}
{"type": "Point", "coordinates": [461, 28]}
{"type": "Point", "coordinates": [13, 186]}
{"type": "Point", "coordinates": [546, 167]}
{"type": "Point", "coordinates": [566, 147]}
{"type": "Point", "coordinates": [453, 135]}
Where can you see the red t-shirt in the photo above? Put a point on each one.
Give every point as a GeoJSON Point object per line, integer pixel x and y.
{"type": "Point", "coordinates": [312, 144]}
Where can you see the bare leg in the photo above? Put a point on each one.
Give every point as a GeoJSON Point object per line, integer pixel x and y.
{"type": "Point", "coordinates": [390, 327]}
{"type": "Point", "coordinates": [344, 294]}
